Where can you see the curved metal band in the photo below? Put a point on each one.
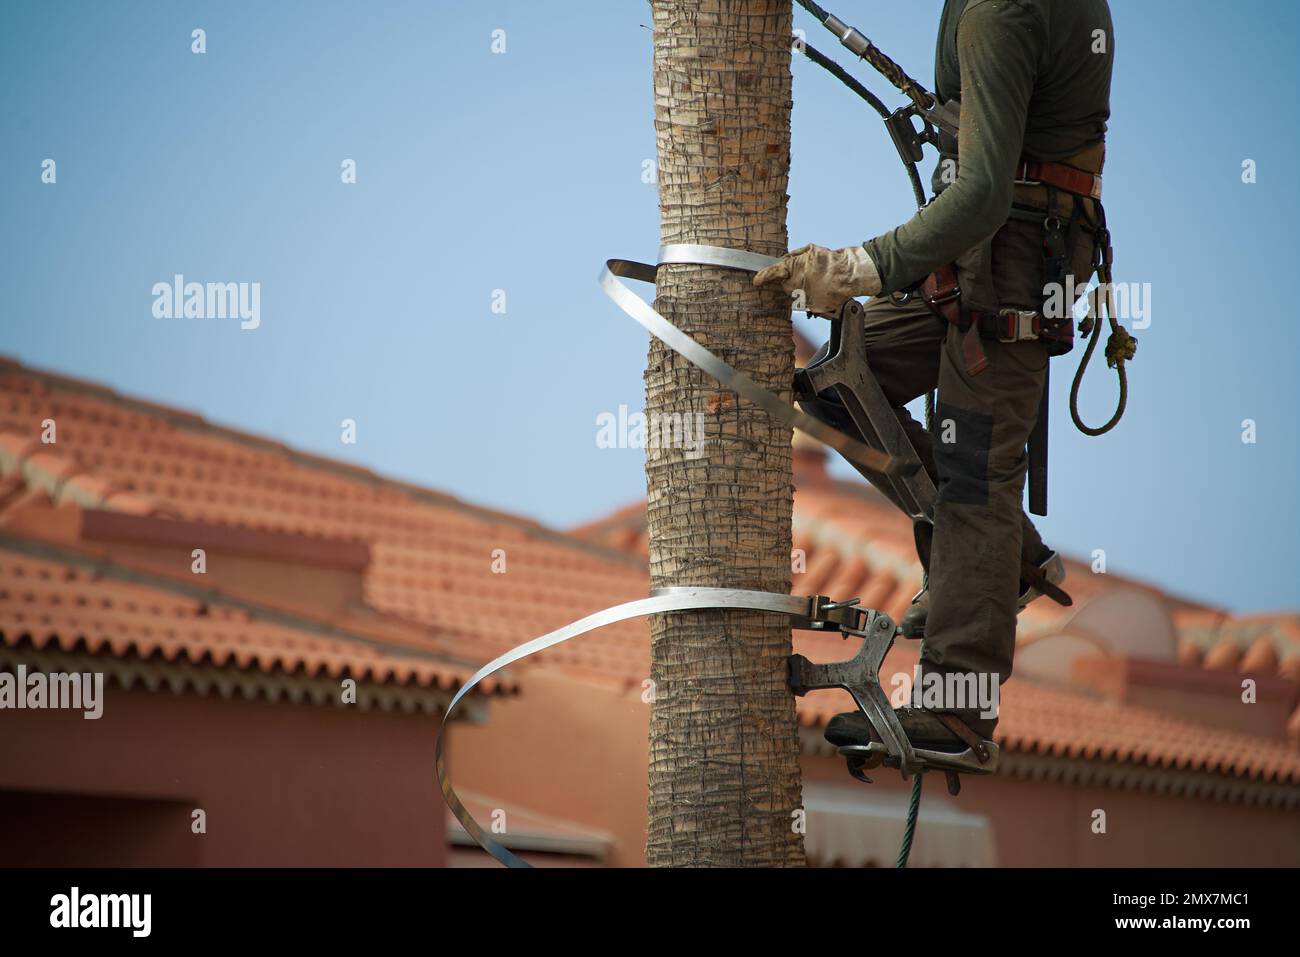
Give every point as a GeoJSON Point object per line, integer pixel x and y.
{"type": "Point", "coordinates": [660, 600]}
{"type": "Point", "coordinates": [667, 599]}
{"type": "Point", "coordinates": [693, 253]}
{"type": "Point", "coordinates": [855, 451]}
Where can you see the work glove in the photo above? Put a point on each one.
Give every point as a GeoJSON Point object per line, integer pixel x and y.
{"type": "Point", "coordinates": [821, 280]}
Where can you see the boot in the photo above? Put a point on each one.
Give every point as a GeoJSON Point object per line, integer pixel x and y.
{"type": "Point", "coordinates": [922, 728]}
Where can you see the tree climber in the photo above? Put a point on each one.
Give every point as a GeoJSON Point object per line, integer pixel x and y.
{"type": "Point", "coordinates": [962, 294]}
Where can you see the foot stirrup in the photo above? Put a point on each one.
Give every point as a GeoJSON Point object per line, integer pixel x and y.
{"type": "Point", "coordinates": [963, 762]}
{"type": "Point", "coordinates": [860, 677]}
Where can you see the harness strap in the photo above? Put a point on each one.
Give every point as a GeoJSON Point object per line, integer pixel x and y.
{"type": "Point", "coordinates": [1071, 179]}
{"type": "Point", "coordinates": [1038, 578]}
{"type": "Point", "coordinates": [967, 736]}
{"type": "Point", "coordinates": [942, 293]}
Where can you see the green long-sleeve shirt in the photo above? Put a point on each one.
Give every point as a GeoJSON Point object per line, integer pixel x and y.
{"type": "Point", "coordinates": [1033, 78]}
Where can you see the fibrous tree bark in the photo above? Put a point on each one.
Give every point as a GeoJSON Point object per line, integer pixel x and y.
{"type": "Point", "coordinates": [724, 758]}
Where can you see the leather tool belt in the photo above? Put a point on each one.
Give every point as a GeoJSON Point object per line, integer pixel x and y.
{"type": "Point", "coordinates": [942, 292]}
{"type": "Point", "coordinates": [1069, 179]}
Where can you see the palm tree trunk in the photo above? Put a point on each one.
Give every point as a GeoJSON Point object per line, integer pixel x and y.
{"type": "Point", "coordinates": [724, 758]}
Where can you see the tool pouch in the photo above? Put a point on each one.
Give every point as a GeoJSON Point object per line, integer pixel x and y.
{"type": "Point", "coordinates": [1009, 271]}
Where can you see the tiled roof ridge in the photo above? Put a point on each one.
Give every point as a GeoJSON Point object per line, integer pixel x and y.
{"type": "Point", "coordinates": [99, 525]}
{"type": "Point", "coordinates": [420, 493]}
{"type": "Point", "coordinates": [187, 674]}
{"type": "Point", "coordinates": [1218, 623]}
{"type": "Point", "coordinates": [261, 610]}
{"type": "Point", "coordinates": [631, 515]}
{"type": "Point", "coordinates": [47, 469]}
{"type": "Point", "coordinates": [1227, 737]}
{"type": "Point", "coordinates": [846, 544]}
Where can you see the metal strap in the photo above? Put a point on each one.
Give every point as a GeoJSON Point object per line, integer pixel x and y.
{"type": "Point", "coordinates": [693, 253]}
{"type": "Point", "coordinates": [859, 453]}
{"type": "Point", "coordinates": [796, 607]}
{"type": "Point", "coordinates": [801, 610]}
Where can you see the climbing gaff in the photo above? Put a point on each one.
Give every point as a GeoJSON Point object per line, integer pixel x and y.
{"type": "Point", "coordinates": [843, 370]}
{"type": "Point", "coordinates": [859, 676]}
{"type": "Point", "coordinates": [816, 613]}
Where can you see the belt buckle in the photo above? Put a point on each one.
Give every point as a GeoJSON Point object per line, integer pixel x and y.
{"type": "Point", "coordinates": [1019, 325]}
{"type": "Point", "coordinates": [939, 297]}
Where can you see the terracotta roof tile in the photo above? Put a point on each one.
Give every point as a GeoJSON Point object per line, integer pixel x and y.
{"type": "Point", "coordinates": [431, 555]}
{"type": "Point", "coordinates": [46, 603]}
{"type": "Point", "coordinates": [1261, 657]}
{"type": "Point", "coordinates": [1254, 637]}
{"type": "Point", "coordinates": [1224, 656]}
{"type": "Point", "coordinates": [431, 558]}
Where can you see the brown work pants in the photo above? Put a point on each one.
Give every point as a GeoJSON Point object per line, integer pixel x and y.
{"type": "Point", "coordinates": [977, 459]}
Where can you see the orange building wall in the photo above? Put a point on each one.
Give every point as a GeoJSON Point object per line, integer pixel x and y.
{"type": "Point", "coordinates": [282, 785]}
{"type": "Point", "coordinates": [567, 749]}
{"type": "Point", "coordinates": [578, 751]}
{"type": "Point", "coordinates": [1043, 824]}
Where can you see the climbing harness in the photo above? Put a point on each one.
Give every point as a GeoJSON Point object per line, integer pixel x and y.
{"type": "Point", "coordinates": [872, 439]}
{"type": "Point", "coordinates": [941, 290]}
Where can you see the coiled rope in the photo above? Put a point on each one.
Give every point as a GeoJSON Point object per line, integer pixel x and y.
{"type": "Point", "coordinates": [1120, 347]}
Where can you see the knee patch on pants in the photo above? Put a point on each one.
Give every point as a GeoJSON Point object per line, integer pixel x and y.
{"type": "Point", "coordinates": [961, 442]}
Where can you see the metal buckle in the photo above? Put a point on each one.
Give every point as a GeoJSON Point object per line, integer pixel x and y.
{"type": "Point", "coordinates": [1019, 325]}
{"type": "Point", "coordinates": [905, 136]}
{"type": "Point", "coordinates": [1022, 176]}
{"type": "Point", "coordinates": [939, 298]}
{"type": "Point", "coordinates": [824, 614]}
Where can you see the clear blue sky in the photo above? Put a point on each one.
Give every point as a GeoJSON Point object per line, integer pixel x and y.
{"type": "Point", "coordinates": [522, 171]}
